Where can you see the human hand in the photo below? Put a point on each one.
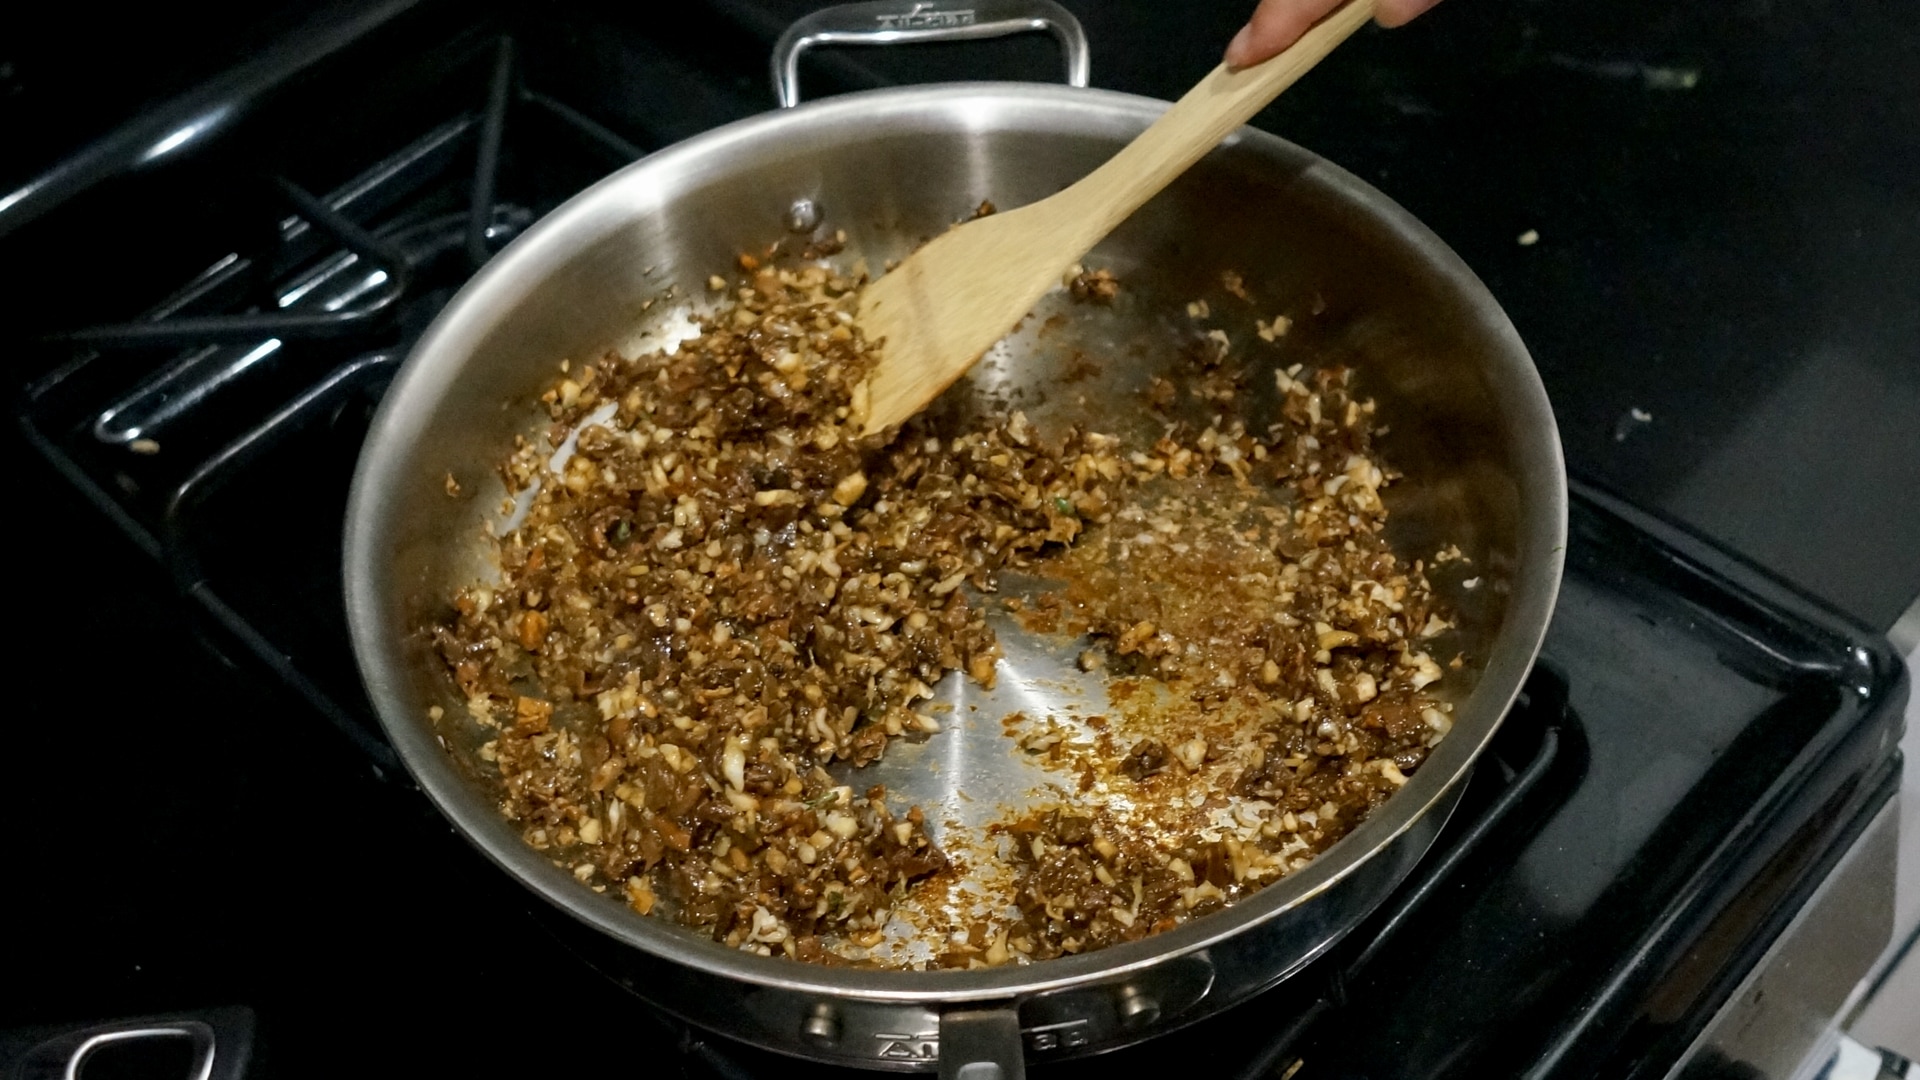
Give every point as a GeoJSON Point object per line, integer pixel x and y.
{"type": "Point", "coordinates": [1277, 24]}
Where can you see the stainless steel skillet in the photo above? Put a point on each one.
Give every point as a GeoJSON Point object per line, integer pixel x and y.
{"type": "Point", "coordinates": [1471, 429]}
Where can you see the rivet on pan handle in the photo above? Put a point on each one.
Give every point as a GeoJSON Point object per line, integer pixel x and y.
{"type": "Point", "coordinates": [890, 22]}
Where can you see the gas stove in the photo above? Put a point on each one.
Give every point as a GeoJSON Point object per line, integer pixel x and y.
{"type": "Point", "coordinates": [1701, 761]}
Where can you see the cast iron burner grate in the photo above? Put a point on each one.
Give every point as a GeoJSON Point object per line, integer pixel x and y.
{"type": "Point", "coordinates": [219, 429]}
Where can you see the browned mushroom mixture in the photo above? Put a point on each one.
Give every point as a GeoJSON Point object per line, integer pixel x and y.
{"type": "Point", "coordinates": [720, 588]}
{"type": "Point", "coordinates": [1272, 696]}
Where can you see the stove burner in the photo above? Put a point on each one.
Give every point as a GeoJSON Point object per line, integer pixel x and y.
{"type": "Point", "coordinates": [210, 451]}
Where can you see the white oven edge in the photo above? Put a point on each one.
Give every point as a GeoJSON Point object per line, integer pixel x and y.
{"type": "Point", "coordinates": [1783, 1021]}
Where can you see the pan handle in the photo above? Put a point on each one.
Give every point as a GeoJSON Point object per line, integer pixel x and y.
{"type": "Point", "coordinates": [887, 22]}
{"type": "Point", "coordinates": [219, 1041]}
{"type": "Point", "coordinates": [981, 1044]}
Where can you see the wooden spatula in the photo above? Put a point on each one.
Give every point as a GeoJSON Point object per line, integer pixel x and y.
{"type": "Point", "coordinates": [936, 313]}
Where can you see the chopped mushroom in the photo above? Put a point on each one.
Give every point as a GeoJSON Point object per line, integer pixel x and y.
{"type": "Point", "coordinates": [730, 588]}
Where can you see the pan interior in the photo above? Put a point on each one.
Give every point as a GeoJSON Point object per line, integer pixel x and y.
{"type": "Point", "coordinates": [1305, 241]}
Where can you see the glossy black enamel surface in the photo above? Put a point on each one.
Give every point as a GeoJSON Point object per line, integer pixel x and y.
{"type": "Point", "coordinates": [1726, 208]}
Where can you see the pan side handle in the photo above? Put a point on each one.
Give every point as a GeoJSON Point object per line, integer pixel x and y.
{"type": "Point", "coordinates": [981, 1044]}
{"type": "Point", "coordinates": [890, 22]}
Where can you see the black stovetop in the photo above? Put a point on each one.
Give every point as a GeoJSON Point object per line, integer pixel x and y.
{"type": "Point", "coordinates": [1696, 748]}
{"type": "Point", "coordinates": [1727, 198]}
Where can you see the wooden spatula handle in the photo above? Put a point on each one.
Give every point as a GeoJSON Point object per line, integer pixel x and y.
{"type": "Point", "coordinates": [1208, 113]}
{"type": "Point", "coordinates": [950, 301]}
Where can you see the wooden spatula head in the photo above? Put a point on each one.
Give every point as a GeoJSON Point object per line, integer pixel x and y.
{"type": "Point", "coordinates": [936, 313]}
{"type": "Point", "coordinates": [953, 299]}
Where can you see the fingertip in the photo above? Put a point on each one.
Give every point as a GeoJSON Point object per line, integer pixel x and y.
{"type": "Point", "coordinates": [1240, 49]}
{"type": "Point", "coordinates": [1396, 13]}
